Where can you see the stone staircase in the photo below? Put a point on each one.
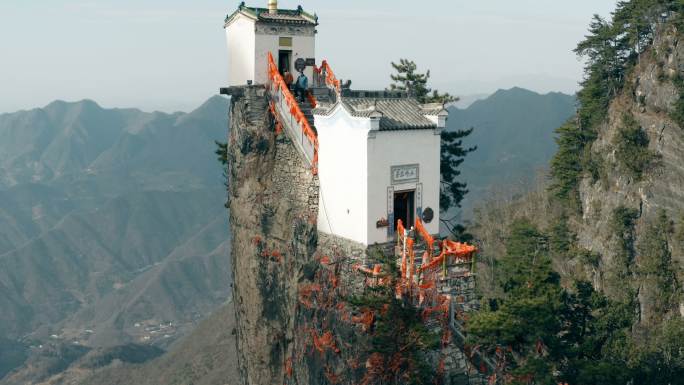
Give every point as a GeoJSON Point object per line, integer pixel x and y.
{"type": "Point", "coordinates": [305, 106]}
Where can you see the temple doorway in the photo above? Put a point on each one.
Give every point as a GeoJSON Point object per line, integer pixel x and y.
{"type": "Point", "coordinates": [284, 61]}
{"type": "Point", "coordinates": [404, 207]}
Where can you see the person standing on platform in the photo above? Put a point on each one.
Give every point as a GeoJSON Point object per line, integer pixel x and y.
{"type": "Point", "coordinates": [302, 86]}
{"type": "Point", "coordinates": [287, 76]}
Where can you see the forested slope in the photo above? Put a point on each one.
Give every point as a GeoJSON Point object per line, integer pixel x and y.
{"type": "Point", "coordinates": [582, 279]}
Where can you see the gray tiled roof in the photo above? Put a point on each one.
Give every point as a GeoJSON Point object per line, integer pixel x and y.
{"type": "Point", "coordinates": [397, 113]}
{"type": "Point", "coordinates": [286, 16]}
{"type": "Point", "coordinates": [290, 18]}
{"type": "Point", "coordinates": [432, 109]}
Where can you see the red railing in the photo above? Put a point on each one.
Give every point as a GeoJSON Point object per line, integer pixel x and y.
{"type": "Point", "coordinates": [421, 290]}
{"type": "Point", "coordinates": [278, 86]}
{"type": "Point", "coordinates": [312, 99]}
{"type": "Point", "coordinates": [400, 232]}
{"type": "Point", "coordinates": [330, 79]}
{"type": "Point", "coordinates": [429, 240]}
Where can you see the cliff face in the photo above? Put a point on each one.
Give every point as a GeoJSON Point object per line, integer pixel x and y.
{"type": "Point", "coordinates": [285, 297]}
{"type": "Point", "coordinates": [273, 199]}
{"type": "Point", "coordinates": [649, 96]}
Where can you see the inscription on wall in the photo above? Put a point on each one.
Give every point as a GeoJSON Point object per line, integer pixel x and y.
{"type": "Point", "coordinates": [285, 41]}
{"type": "Point", "coordinates": [390, 211]}
{"type": "Point", "coordinates": [404, 174]}
{"type": "Point", "coordinates": [419, 200]}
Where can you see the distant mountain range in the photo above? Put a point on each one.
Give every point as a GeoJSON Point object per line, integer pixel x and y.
{"type": "Point", "coordinates": [514, 135]}
{"type": "Point", "coordinates": [112, 226]}
{"type": "Point", "coordinates": [464, 101]}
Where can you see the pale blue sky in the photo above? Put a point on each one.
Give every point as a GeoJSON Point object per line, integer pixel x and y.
{"type": "Point", "coordinates": [171, 54]}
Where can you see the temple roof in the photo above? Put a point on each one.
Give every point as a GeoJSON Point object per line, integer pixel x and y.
{"type": "Point", "coordinates": [283, 16]}
{"type": "Point", "coordinates": [396, 113]}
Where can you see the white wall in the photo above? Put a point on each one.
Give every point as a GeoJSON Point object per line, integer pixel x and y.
{"type": "Point", "coordinates": [355, 172]}
{"type": "Point", "coordinates": [302, 46]}
{"type": "Point", "coordinates": [241, 46]}
{"type": "Point", "coordinates": [396, 148]}
{"type": "Point", "coordinates": [343, 175]}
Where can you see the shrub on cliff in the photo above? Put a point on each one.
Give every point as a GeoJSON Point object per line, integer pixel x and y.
{"type": "Point", "coordinates": [631, 148]}
{"type": "Point", "coordinates": [399, 337]}
{"type": "Point", "coordinates": [553, 334]}
{"type": "Point", "coordinates": [655, 267]}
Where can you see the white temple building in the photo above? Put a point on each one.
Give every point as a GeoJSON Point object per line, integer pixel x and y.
{"type": "Point", "coordinates": [377, 152]}
{"type": "Point", "coordinates": [253, 32]}
{"type": "Point", "coordinates": [378, 162]}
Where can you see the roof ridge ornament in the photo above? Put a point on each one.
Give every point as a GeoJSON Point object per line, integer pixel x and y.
{"type": "Point", "coordinates": [272, 6]}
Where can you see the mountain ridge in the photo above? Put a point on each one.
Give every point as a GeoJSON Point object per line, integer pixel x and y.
{"type": "Point", "coordinates": [109, 218]}
{"type": "Point", "coordinates": [513, 131]}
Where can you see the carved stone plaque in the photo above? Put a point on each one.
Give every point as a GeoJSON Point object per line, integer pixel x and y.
{"type": "Point", "coordinates": [390, 211]}
{"type": "Point", "coordinates": [407, 173]}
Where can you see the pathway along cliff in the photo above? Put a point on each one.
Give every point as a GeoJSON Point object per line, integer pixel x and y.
{"type": "Point", "coordinates": [314, 309]}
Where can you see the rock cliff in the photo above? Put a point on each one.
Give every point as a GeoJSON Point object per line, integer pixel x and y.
{"type": "Point", "coordinates": [273, 198]}
{"type": "Point", "coordinates": [636, 199]}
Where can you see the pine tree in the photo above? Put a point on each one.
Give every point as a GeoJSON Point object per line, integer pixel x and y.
{"type": "Point", "coordinates": [222, 152]}
{"type": "Point", "coordinates": [554, 334]}
{"type": "Point", "coordinates": [415, 83]}
{"type": "Point", "coordinates": [452, 155]}
{"type": "Point", "coordinates": [222, 157]}
{"type": "Point", "coordinates": [655, 266]}
{"type": "Point", "coordinates": [567, 163]}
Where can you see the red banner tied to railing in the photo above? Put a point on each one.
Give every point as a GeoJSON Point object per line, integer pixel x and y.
{"type": "Point", "coordinates": [279, 83]}
{"type": "Point", "coordinates": [330, 78]}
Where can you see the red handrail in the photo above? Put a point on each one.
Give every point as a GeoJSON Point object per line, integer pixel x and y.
{"type": "Point", "coordinates": [296, 112]}
{"type": "Point", "coordinates": [400, 232]}
{"type": "Point", "coordinates": [400, 238]}
{"type": "Point", "coordinates": [429, 240]}
{"type": "Point", "coordinates": [312, 99]}
{"type": "Point", "coordinates": [461, 251]}
{"type": "Point", "coordinates": [330, 78]}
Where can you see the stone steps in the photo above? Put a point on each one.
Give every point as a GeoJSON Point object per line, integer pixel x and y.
{"type": "Point", "coordinates": [305, 106]}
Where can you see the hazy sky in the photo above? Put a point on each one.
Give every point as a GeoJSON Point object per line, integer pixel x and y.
{"type": "Point", "coordinates": [171, 54]}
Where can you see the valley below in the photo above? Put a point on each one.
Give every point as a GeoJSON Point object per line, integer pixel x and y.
{"type": "Point", "coordinates": [112, 232]}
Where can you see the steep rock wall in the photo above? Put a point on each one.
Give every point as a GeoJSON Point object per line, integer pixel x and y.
{"type": "Point", "coordinates": [273, 199]}
{"type": "Point", "coordinates": [649, 96]}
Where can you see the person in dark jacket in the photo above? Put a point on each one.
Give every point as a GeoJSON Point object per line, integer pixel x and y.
{"type": "Point", "coordinates": [301, 86]}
